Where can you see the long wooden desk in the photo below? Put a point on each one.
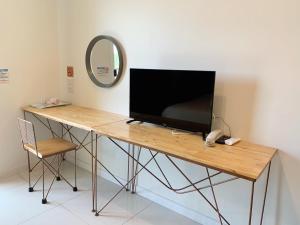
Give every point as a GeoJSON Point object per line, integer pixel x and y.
{"type": "Point", "coordinates": [243, 160]}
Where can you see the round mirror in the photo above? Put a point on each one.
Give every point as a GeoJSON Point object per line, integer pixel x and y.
{"type": "Point", "coordinates": [104, 61]}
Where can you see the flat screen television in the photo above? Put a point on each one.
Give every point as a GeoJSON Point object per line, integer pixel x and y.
{"type": "Point", "coordinates": [175, 98]}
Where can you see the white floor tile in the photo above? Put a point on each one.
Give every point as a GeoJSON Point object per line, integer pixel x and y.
{"type": "Point", "coordinates": [156, 214]}
{"type": "Point", "coordinates": [119, 211]}
{"type": "Point", "coordinates": [18, 206]}
{"type": "Point", "coordinates": [58, 215]}
{"type": "Point", "coordinates": [11, 182]}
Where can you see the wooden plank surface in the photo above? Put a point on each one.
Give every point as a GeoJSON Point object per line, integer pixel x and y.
{"type": "Point", "coordinates": [51, 147]}
{"type": "Point", "coordinates": [244, 159]}
{"type": "Point", "coordinates": [77, 116]}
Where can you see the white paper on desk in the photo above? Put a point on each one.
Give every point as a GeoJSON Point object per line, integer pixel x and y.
{"type": "Point", "coordinates": [39, 105]}
{"type": "Point", "coordinates": [44, 105]}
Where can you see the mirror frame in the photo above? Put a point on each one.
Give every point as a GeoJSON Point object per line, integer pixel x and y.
{"type": "Point", "coordinates": [88, 60]}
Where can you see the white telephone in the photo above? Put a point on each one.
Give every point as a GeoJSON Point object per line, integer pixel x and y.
{"type": "Point", "coordinates": [212, 137]}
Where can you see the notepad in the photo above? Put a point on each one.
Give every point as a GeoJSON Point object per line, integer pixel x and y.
{"type": "Point", "coordinates": [44, 105]}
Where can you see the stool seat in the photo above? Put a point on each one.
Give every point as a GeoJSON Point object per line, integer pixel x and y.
{"type": "Point", "coordinates": [50, 147]}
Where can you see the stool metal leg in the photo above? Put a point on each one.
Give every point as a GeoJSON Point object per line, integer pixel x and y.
{"type": "Point", "coordinates": [58, 165]}
{"type": "Point", "coordinates": [75, 165]}
{"type": "Point", "coordinates": [44, 200]}
{"type": "Point", "coordinates": [30, 189]}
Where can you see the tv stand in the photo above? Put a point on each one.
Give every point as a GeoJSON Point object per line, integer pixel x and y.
{"type": "Point", "coordinates": [133, 120]}
{"type": "Point", "coordinates": [204, 136]}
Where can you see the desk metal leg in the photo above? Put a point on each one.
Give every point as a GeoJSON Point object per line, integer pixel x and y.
{"type": "Point", "coordinates": [213, 192]}
{"type": "Point", "coordinates": [203, 196]}
{"type": "Point", "coordinates": [124, 186]}
{"type": "Point", "coordinates": [136, 162]}
{"type": "Point", "coordinates": [128, 167]}
{"type": "Point", "coordinates": [95, 175]}
{"type": "Point", "coordinates": [264, 201]}
{"type": "Point", "coordinates": [251, 203]}
{"type": "Point", "coordinates": [132, 169]}
{"type": "Point", "coordinates": [93, 181]}
{"type": "Point", "coordinates": [266, 190]}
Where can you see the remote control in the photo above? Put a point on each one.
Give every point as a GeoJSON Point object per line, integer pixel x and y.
{"type": "Point", "coordinates": [232, 141]}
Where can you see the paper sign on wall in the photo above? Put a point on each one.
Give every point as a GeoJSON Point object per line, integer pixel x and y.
{"type": "Point", "coordinates": [70, 71]}
{"type": "Point", "coordinates": [4, 76]}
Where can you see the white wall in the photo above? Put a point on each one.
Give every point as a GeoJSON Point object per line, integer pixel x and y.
{"type": "Point", "coordinates": [253, 46]}
{"type": "Point", "coordinates": [28, 48]}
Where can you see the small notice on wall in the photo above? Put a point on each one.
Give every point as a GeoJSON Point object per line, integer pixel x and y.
{"type": "Point", "coordinates": [4, 76]}
{"type": "Point", "coordinates": [70, 71]}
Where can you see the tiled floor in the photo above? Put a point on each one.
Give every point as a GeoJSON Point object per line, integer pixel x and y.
{"type": "Point", "coordinates": [18, 206]}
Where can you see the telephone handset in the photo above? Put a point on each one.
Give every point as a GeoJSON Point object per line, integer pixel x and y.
{"type": "Point", "coordinates": [212, 137]}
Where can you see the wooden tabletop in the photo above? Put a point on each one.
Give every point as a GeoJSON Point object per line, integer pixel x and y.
{"type": "Point", "coordinates": [77, 116]}
{"type": "Point", "coordinates": [244, 159]}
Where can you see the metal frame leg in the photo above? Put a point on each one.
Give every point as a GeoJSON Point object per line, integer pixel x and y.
{"type": "Point", "coordinates": [75, 170]}
{"type": "Point", "coordinates": [136, 169]}
{"type": "Point", "coordinates": [203, 196]}
{"type": "Point", "coordinates": [128, 167]}
{"type": "Point", "coordinates": [58, 168]}
{"type": "Point", "coordinates": [95, 176]}
{"type": "Point", "coordinates": [44, 200]}
{"type": "Point", "coordinates": [30, 188]}
{"type": "Point", "coordinates": [131, 182]}
{"type": "Point", "coordinates": [265, 196]}
{"type": "Point", "coordinates": [55, 171]}
{"type": "Point", "coordinates": [132, 169]}
{"type": "Point", "coordinates": [144, 167]}
{"type": "Point", "coordinates": [213, 193]}
{"type": "Point", "coordinates": [124, 186]}
{"type": "Point", "coordinates": [251, 203]}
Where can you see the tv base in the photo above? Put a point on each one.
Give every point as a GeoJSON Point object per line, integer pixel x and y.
{"type": "Point", "coordinates": [131, 121]}
{"type": "Point", "coordinates": [204, 136]}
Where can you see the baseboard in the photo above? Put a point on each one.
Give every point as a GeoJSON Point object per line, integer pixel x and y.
{"type": "Point", "coordinates": [146, 193]}
{"type": "Point", "coordinates": [14, 171]}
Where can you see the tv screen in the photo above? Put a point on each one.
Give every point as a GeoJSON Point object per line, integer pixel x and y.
{"type": "Point", "coordinates": [175, 98]}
